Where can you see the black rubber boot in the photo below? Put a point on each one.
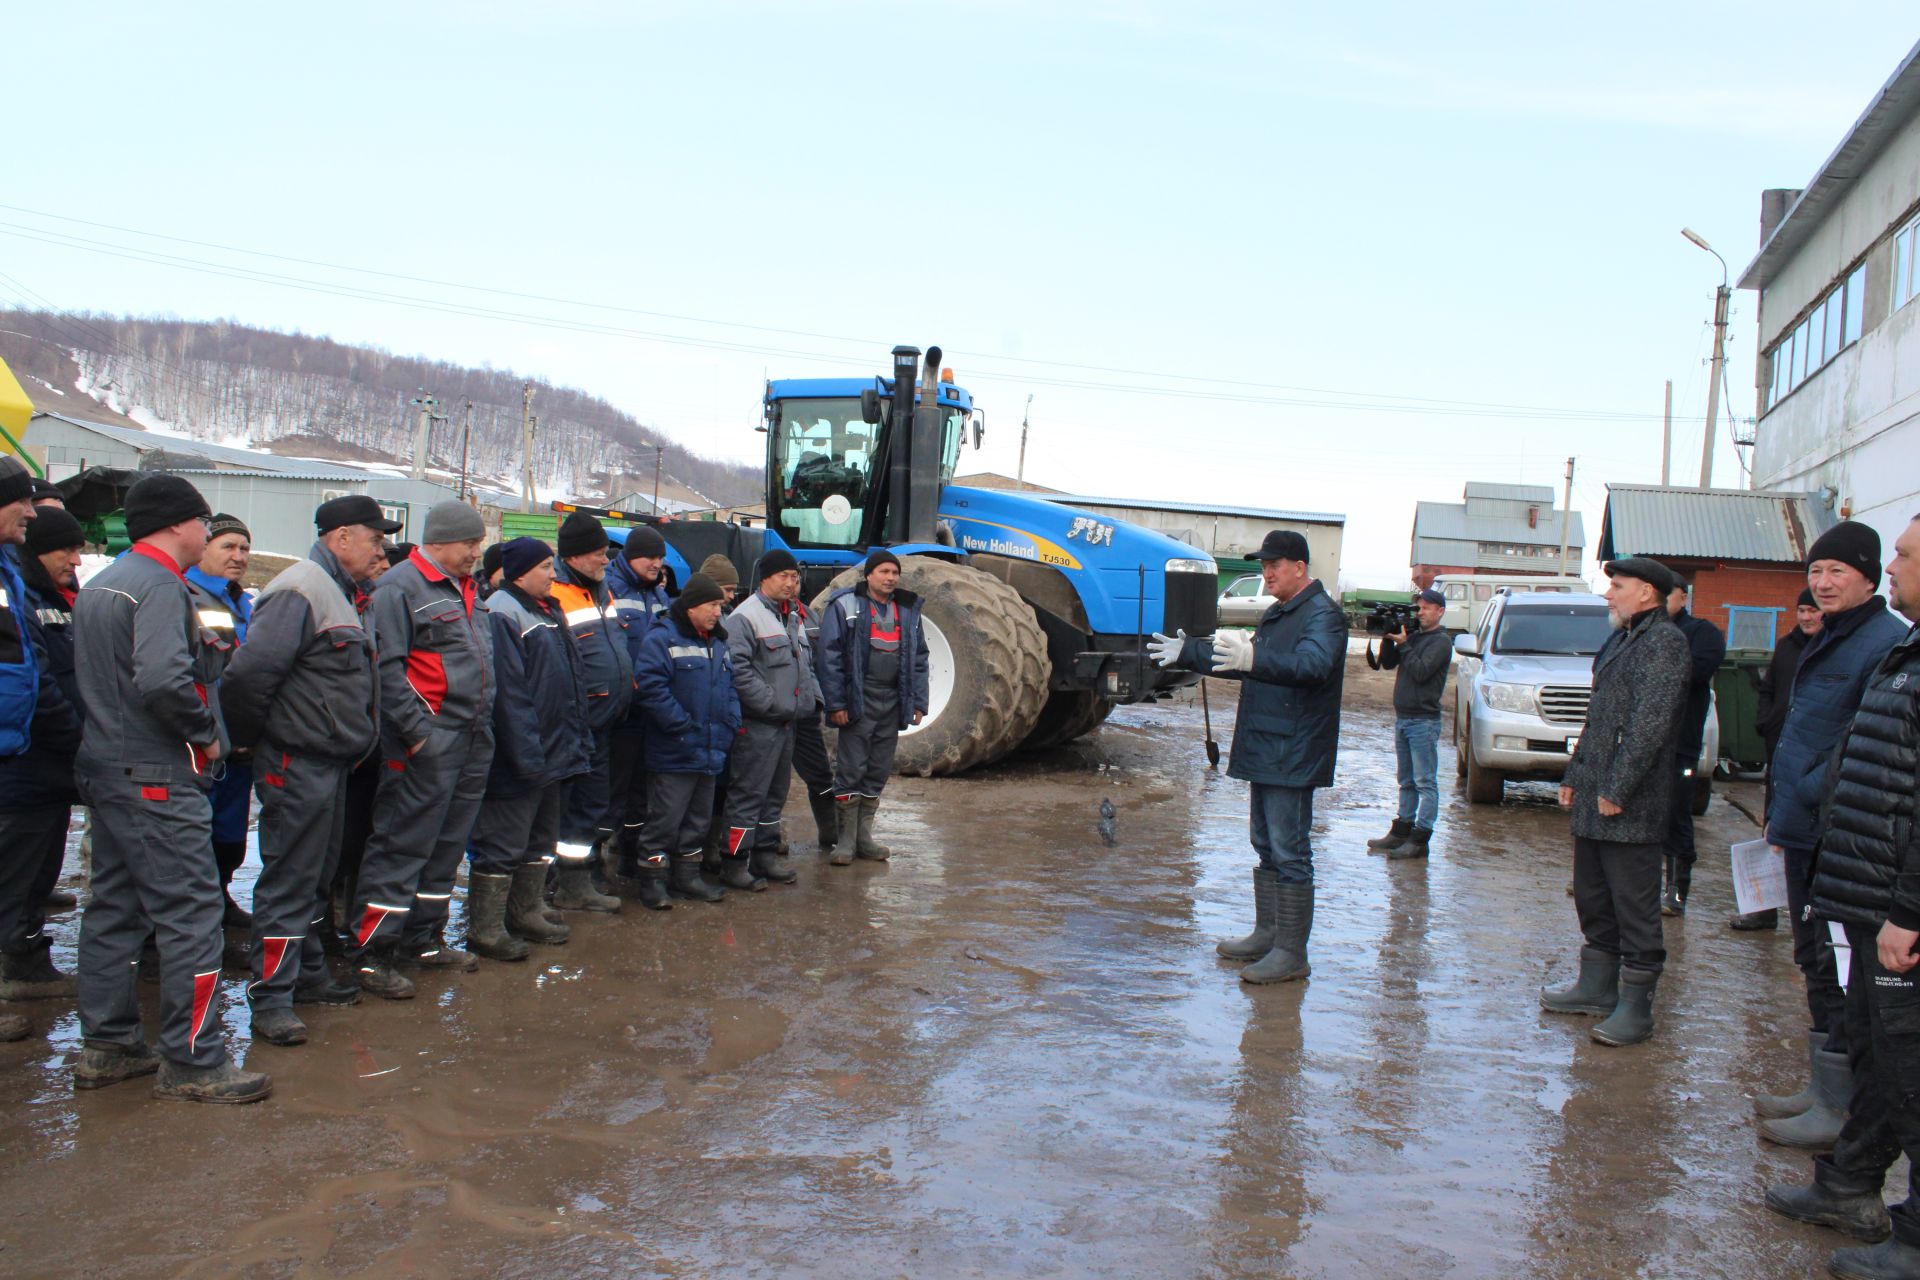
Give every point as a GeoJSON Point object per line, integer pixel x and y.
{"type": "Point", "coordinates": [686, 881]}
{"type": "Point", "coordinates": [103, 1062]}
{"type": "Point", "coordinates": [327, 993]}
{"type": "Point", "coordinates": [847, 822]}
{"type": "Point", "coordinates": [1855, 1211]}
{"type": "Point", "coordinates": [652, 886]}
{"type": "Point", "coordinates": [526, 907]}
{"type": "Point", "coordinates": [766, 868]}
{"type": "Point", "coordinates": [1260, 941]}
{"type": "Point", "coordinates": [279, 1026]}
{"type": "Point", "coordinates": [735, 873]}
{"type": "Point", "coordinates": [575, 891]}
{"type": "Point", "coordinates": [228, 855]}
{"type": "Point", "coordinates": [1414, 846]}
{"type": "Point", "coordinates": [377, 976]}
{"type": "Point", "coordinates": [865, 846]}
{"type": "Point", "coordinates": [487, 918]}
{"type": "Point", "coordinates": [1632, 1019]}
{"type": "Point", "coordinates": [1818, 1127]}
{"type": "Point", "coordinates": [826, 820]}
{"type": "Point", "coordinates": [225, 1084]}
{"type": "Point", "coordinates": [714, 852]}
{"type": "Point", "coordinates": [1779, 1106]}
{"type": "Point", "coordinates": [1673, 898]}
{"type": "Point", "coordinates": [1292, 926]}
{"type": "Point", "coordinates": [1754, 921]}
{"type": "Point", "coordinates": [1891, 1259]}
{"type": "Point", "coordinates": [1595, 992]}
{"type": "Point", "coordinates": [14, 1026]}
{"type": "Point", "coordinates": [1395, 837]}
{"type": "Point", "coordinates": [30, 975]}
{"type": "Point", "coordinates": [437, 953]}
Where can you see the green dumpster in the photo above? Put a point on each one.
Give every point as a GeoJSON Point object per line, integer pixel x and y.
{"type": "Point", "coordinates": [1736, 694]}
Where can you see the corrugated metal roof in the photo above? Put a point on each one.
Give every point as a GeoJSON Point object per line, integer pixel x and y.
{"type": "Point", "coordinates": [1510, 492]}
{"type": "Point", "coordinates": [223, 456]}
{"type": "Point", "coordinates": [1451, 522]}
{"type": "Point", "coordinates": [1195, 508]}
{"type": "Point", "coordinates": [1724, 524]}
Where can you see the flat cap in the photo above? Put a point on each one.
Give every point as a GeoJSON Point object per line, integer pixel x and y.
{"type": "Point", "coordinates": [1652, 572]}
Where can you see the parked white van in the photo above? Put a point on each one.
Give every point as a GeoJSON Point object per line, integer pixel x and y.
{"type": "Point", "coordinates": [1468, 594]}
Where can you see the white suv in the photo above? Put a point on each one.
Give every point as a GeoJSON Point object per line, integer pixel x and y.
{"type": "Point", "coordinates": [1520, 699]}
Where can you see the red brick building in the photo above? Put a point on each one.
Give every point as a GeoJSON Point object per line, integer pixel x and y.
{"type": "Point", "coordinates": [1745, 551]}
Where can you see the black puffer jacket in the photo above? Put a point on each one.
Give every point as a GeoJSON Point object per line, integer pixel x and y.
{"type": "Point", "coordinates": [1868, 869]}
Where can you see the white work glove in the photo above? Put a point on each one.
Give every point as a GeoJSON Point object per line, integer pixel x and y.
{"type": "Point", "coordinates": [1166, 650]}
{"type": "Point", "coordinates": [1232, 651]}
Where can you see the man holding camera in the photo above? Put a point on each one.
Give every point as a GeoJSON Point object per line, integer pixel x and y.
{"type": "Point", "coordinates": [1419, 660]}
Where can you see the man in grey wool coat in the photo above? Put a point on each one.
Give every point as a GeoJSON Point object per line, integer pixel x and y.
{"type": "Point", "coordinates": [1617, 785]}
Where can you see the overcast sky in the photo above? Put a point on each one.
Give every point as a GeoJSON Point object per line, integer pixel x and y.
{"type": "Point", "coordinates": [1329, 258]}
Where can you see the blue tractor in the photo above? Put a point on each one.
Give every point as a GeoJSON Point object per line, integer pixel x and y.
{"type": "Point", "coordinates": [1036, 614]}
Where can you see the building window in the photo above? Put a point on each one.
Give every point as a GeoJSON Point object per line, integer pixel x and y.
{"type": "Point", "coordinates": [1904, 282]}
{"type": "Point", "coordinates": [1834, 324]}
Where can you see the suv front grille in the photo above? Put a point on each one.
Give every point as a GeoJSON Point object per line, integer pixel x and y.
{"type": "Point", "coordinates": [1564, 703]}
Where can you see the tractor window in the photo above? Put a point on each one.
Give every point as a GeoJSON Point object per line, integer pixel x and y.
{"type": "Point", "coordinates": [823, 469]}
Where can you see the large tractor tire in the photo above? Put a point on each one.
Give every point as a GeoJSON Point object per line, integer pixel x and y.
{"type": "Point", "coordinates": [987, 667]}
{"type": "Point", "coordinates": [1069, 714]}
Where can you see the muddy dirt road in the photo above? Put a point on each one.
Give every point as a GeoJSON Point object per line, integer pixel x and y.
{"type": "Point", "coordinates": [1010, 1052]}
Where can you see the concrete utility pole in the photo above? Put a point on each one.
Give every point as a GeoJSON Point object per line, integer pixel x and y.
{"type": "Point", "coordinates": [659, 455]}
{"type": "Point", "coordinates": [527, 421]}
{"type": "Point", "coordinates": [1566, 519]}
{"type": "Point", "coordinates": [466, 443]}
{"type": "Point", "coordinates": [423, 405]}
{"type": "Point", "coordinates": [1721, 300]}
{"type": "Point", "coordinates": [1666, 437]}
{"type": "Point", "coordinates": [1021, 473]}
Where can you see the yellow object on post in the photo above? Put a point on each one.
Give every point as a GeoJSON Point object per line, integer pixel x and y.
{"type": "Point", "coordinates": [15, 412]}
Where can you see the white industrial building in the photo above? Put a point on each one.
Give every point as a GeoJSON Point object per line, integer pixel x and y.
{"type": "Point", "coordinates": [1838, 274]}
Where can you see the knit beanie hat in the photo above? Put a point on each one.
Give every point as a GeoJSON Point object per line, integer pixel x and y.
{"type": "Point", "coordinates": [644, 542]}
{"type": "Point", "coordinates": [718, 570]}
{"type": "Point", "coordinates": [778, 560]}
{"type": "Point", "coordinates": [520, 555]}
{"type": "Point", "coordinates": [700, 589]}
{"type": "Point", "coordinates": [45, 490]}
{"type": "Point", "coordinates": [491, 560]}
{"type": "Point", "coordinates": [451, 521]}
{"type": "Point", "coordinates": [1806, 600]}
{"type": "Point", "coordinates": [1853, 544]}
{"type": "Point", "coordinates": [53, 530]}
{"type": "Point", "coordinates": [16, 482]}
{"type": "Point", "coordinates": [879, 556]}
{"type": "Point", "coordinates": [159, 502]}
{"type": "Point", "coordinates": [580, 534]}
{"type": "Point", "coordinates": [224, 523]}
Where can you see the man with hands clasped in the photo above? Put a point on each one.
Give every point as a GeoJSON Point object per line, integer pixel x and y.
{"type": "Point", "coordinates": [1284, 740]}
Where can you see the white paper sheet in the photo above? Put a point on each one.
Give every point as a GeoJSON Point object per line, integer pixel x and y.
{"type": "Point", "coordinates": [1759, 877]}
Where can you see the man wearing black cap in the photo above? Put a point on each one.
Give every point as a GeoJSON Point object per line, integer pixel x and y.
{"type": "Point", "coordinates": [606, 670]}
{"type": "Point", "coordinates": [1419, 659]}
{"type": "Point", "coordinates": [152, 742]}
{"type": "Point", "coordinates": [436, 745]}
{"type": "Point", "coordinates": [1775, 683]}
{"type": "Point", "coordinates": [1285, 739]}
{"type": "Point", "coordinates": [872, 670]}
{"type": "Point", "coordinates": [226, 609]}
{"type": "Point", "coordinates": [303, 693]}
{"type": "Point", "coordinates": [490, 566]}
{"type": "Point", "coordinates": [637, 579]}
{"type": "Point", "coordinates": [39, 730]}
{"type": "Point", "coordinates": [1707, 648]}
{"type": "Point", "coordinates": [1843, 572]}
{"type": "Point", "coordinates": [774, 678]}
{"type": "Point", "coordinates": [1617, 783]}
{"type": "Point", "coordinates": [541, 744]}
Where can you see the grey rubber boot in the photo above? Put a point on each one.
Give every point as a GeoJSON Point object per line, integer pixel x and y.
{"type": "Point", "coordinates": [1595, 992]}
{"type": "Point", "coordinates": [1414, 846]}
{"type": "Point", "coordinates": [225, 1083]}
{"type": "Point", "coordinates": [279, 1026]}
{"type": "Point", "coordinates": [1778, 1106]}
{"type": "Point", "coordinates": [1396, 835]}
{"type": "Point", "coordinates": [1891, 1259]}
{"type": "Point", "coordinates": [1292, 926]}
{"type": "Point", "coordinates": [1632, 1019]}
{"type": "Point", "coordinates": [1857, 1211]}
{"type": "Point", "coordinates": [378, 976]}
{"type": "Point", "coordinates": [1816, 1128]}
{"type": "Point", "coordinates": [826, 819]}
{"type": "Point", "coordinates": [103, 1062]}
{"type": "Point", "coordinates": [865, 846]}
{"type": "Point", "coordinates": [737, 873]}
{"type": "Point", "coordinates": [575, 892]}
{"type": "Point", "coordinates": [686, 881]}
{"type": "Point", "coordinates": [487, 918]}
{"type": "Point", "coordinates": [846, 824]}
{"type": "Point", "coordinates": [1260, 941]}
{"type": "Point", "coordinates": [30, 975]}
{"type": "Point", "coordinates": [526, 907]}
{"type": "Point", "coordinates": [761, 864]}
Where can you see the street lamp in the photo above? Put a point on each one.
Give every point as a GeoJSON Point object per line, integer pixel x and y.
{"type": "Point", "coordinates": [1721, 299]}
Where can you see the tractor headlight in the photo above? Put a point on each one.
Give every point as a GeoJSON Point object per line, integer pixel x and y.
{"type": "Point", "coordinates": [1193, 566]}
{"type": "Point", "coordinates": [1519, 699]}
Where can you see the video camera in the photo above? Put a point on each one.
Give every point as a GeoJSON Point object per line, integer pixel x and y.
{"type": "Point", "coordinates": [1387, 619]}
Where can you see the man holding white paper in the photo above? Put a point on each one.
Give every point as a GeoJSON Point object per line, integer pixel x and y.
{"type": "Point", "coordinates": [1867, 878]}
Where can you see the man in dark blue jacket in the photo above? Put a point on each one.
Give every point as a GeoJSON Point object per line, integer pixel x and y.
{"type": "Point", "coordinates": [36, 783]}
{"type": "Point", "coordinates": [542, 742]}
{"type": "Point", "coordinates": [685, 682]}
{"type": "Point", "coordinates": [637, 579]}
{"type": "Point", "coordinates": [606, 667]}
{"type": "Point", "coordinates": [1707, 648]}
{"type": "Point", "coordinates": [1843, 571]}
{"type": "Point", "coordinates": [1284, 742]}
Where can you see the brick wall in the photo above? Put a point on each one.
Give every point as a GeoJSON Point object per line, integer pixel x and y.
{"type": "Point", "coordinates": [1719, 584]}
